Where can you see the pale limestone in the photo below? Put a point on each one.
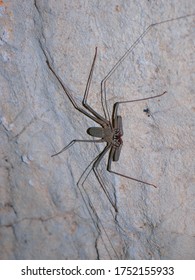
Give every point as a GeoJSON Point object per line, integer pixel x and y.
{"type": "Point", "coordinates": [42, 213]}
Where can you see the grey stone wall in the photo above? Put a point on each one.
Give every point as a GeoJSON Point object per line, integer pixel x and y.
{"type": "Point", "coordinates": [44, 214]}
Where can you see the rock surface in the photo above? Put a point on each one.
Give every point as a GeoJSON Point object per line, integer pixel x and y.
{"type": "Point", "coordinates": [43, 213]}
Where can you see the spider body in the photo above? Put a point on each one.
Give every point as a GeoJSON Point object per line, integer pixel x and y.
{"type": "Point", "coordinates": [110, 134]}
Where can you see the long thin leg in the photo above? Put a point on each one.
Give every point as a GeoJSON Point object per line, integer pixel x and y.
{"type": "Point", "coordinates": [91, 209]}
{"type": "Point", "coordinates": [84, 102]}
{"type": "Point", "coordinates": [75, 141]}
{"type": "Point", "coordinates": [97, 222]}
{"type": "Point", "coordinates": [103, 82]}
{"type": "Point", "coordinates": [91, 206]}
{"type": "Point", "coordinates": [116, 105]}
{"type": "Point", "coordinates": [76, 106]}
{"type": "Point", "coordinates": [95, 170]}
{"type": "Point", "coordinates": [125, 176]}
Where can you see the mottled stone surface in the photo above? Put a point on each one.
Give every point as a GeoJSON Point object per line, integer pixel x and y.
{"type": "Point", "coordinates": [43, 214]}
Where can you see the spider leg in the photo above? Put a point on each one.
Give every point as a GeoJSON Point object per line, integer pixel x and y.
{"type": "Point", "coordinates": [116, 105]}
{"type": "Point", "coordinates": [84, 102]}
{"type": "Point", "coordinates": [69, 95]}
{"type": "Point", "coordinates": [125, 176]}
{"type": "Point", "coordinates": [103, 82]}
{"type": "Point", "coordinates": [75, 141]}
{"type": "Point", "coordinates": [91, 209]}
{"type": "Point", "coordinates": [112, 151]}
{"type": "Point", "coordinates": [95, 170]}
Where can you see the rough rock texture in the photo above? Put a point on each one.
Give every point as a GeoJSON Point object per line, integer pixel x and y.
{"type": "Point", "coordinates": [43, 213]}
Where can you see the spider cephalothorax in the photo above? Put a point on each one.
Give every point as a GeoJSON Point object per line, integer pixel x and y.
{"type": "Point", "coordinates": [117, 138]}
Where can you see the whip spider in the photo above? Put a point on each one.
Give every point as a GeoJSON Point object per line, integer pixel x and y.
{"type": "Point", "coordinates": [110, 130]}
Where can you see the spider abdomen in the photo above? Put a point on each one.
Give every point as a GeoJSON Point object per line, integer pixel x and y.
{"type": "Point", "coordinates": [104, 133]}
{"type": "Point", "coordinates": [96, 132]}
